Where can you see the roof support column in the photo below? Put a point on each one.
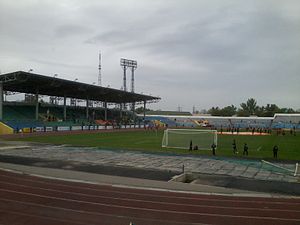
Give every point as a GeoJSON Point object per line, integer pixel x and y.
{"type": "Point", "coordinates": [65, 108]}
{"type": "Point", "coordinates": [87, 109]}
{"type": "Point", "coordinates": [121, 111]}
{"type": "Point", "coordinates": [133, 111]}
{"type": "Point", "coordinates": [1, 100]}
{"type": "Point", "coordinates": [144, 110]}
{"type": "Point", "coordinates": [37, 106]}
{"type": "Point", "coordinates": [105, 110]}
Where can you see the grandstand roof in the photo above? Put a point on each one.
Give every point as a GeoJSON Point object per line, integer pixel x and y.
{"type": "Point", "coordinates": [170, 113]}
{"type": "Point", "coordinates": [25, 82]}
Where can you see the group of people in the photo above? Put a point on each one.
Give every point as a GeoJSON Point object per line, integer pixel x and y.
{"type": "Point", "coordinates": [191, 146]}
{"type": "Point", "coordinates": [235, 151]}
{"type": "Point", "coordinates": [282, 132]}
{"type": "Point", "coordinates": [234, 147]}
{"type": "Point", "coordinates": [259, 130]}
{"type": "Point", "coordinates": [245, 152]}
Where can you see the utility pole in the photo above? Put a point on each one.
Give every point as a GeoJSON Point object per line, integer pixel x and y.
{"type": "Point", "coordinates": [99, 74]}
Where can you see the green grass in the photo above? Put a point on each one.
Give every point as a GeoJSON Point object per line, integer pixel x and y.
{"type": "Point", "coordinates": [150, 141]}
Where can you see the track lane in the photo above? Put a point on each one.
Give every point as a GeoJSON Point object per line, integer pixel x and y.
{"type": "Point", "coordinates": [76, 186]}
{"type": "Point", "coordinates": [147, 204]}
{"type": "Point", "coordinates": [73, 216]}
{"type": "Point", "coordinates": [208, 200]}
{"type": "Point", "coordinates": [9, 217]}
{"type": "Point", "coordinates": [93, 217]}
{"type": "Point", "coordinates": [106, 188]}
{"type": "Point", "coordinates": [32, 198]}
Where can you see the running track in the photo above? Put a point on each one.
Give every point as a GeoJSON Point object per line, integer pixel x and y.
{"type": "Point", "coordinates": [33, 200]}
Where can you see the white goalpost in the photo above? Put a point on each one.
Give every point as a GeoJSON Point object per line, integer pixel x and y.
{"type": "Point", "coordinates": [182, 138]}
{"type": "Point", "coordinates": [294, 172]}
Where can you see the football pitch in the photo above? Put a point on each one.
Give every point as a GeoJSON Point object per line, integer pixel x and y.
{"type": "Point", "coordinates": [150, 141]}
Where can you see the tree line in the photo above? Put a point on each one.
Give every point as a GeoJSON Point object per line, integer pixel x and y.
{"type": "Point", "coordinates": [249, 108]}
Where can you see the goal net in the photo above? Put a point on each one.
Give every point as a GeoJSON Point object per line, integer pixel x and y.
{"type": "Point", "coordinates": [292, 170]}
{"type": "Point", "coordinates": [183, 138]}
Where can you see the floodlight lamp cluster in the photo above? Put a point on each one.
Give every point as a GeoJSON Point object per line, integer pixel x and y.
{"type": "Point", "coordinates": [128, 63]}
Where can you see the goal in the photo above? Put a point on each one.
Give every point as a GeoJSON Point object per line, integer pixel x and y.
{"type": "Point", "coordinates": [182, 138]}
{"type": "Point", "coordinates": [280, 168]}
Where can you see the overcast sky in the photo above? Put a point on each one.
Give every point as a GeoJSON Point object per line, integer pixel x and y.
{"type": "Point", "coordinates": [200, 53]}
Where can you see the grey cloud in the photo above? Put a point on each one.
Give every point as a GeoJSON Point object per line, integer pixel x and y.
{"type": "Point", "coordinates": [71, 30]}
{"type": "Point", "coordinates": [207, 48]}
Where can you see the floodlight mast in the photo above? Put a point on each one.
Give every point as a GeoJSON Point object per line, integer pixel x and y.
{"type": "Point", "coordinates": [133, 68]}
{"type": "Point", "coordinates": [127, 63]}
{"type": "Point", "coordinates": [124, 65]}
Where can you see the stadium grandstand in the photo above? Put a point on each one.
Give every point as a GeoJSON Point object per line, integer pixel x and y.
{"type": "Point", "coordinates": [278, 121]}
{"type": "Point", "coordinates": [72, 105]}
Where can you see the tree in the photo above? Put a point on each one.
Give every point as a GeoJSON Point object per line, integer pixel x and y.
{"type": "Point", "coordinates": [249, 108]}
{"type": "Point", "coordinates": [214, 111]}
{"type": "Point", "coordinates": [228, 110]}
{"type": "Point", "coordinates": [287, 110]}
{"type": "Point", "coordinates": [270, 110]}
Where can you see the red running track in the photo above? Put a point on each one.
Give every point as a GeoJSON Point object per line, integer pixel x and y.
{"type": "Point", "coordinates": [30, 200]}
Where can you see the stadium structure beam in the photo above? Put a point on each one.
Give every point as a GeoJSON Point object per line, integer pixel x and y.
{"type": "Point", "coordinates": [37, 105]}
{"type": "Point", "coordinates": [144, 110]}
{"type": "Point", "coordinates": [133, 109]}
{"type": "Point", "coordinates": [105, 110]}
{"type": "Point", "coordinates": [87, 108]}
{"type": "Point", "coordinates": [121, 111]}
{"type": "Point", "coordinates": [65, 108]}
{"type": "Point", "coordinates": [1, 100]}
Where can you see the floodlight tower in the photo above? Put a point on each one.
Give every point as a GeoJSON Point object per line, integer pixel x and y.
{"type": "Point", "coordinates": [124, 64]}
{"type": "Point", "coordinates": [133, 68]}
{"type": "Point", "coordinates": [127, 63]}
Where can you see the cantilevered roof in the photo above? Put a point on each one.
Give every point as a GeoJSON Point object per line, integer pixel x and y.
{"type": "Point", "coordinates": [31, 83]}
